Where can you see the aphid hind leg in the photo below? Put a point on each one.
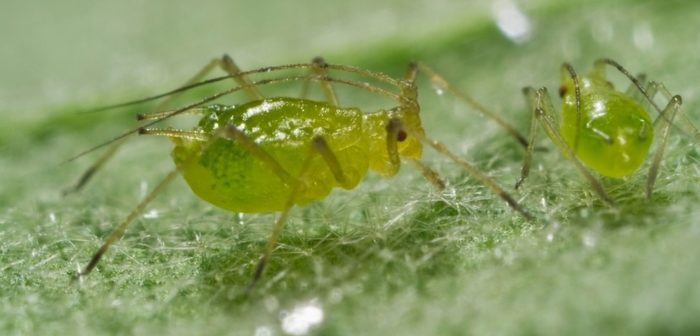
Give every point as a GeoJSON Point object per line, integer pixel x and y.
{"type": "Point", "coordinates": [396, 124]}
{"type": "Point", "coordinates": [118, 232]}
{"type": "Point", "coordinates": [319, 146]}
{"type": "Point", "coordinates": [87, 175]}
{"type": "Point", "coordinates": [543, 110]}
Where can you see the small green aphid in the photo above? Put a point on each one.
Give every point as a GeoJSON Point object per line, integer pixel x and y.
{"type": "Point", "coordinates": [270, 154]}
{"type": "Point", "coordinates": [602, 129]}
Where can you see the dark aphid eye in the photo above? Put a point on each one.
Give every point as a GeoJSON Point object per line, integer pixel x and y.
{"type": "Point", "coordinates": [562, 91]}
{"type": "Point", "coordinates": [401, 135]}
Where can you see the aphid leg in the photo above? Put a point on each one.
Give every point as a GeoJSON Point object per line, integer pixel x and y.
{"type": "Point", "coordinates": [530, 96]}
{"type": "Point", "coordinates": [431, 175]}
{"type": "Point", "coordinates": [632, 90]}
{"type": "Point", "coordinates": [443, 85]}
{"type": "Point", "coordinates": [320, 68]}
{"type": "Point", "coordinates": [86, 176]}
{"type": "Point", "coordinates": [319, 146]}
{"type": "Point", "coordinates": [544, 112]}
{"type": "Point", "coordinates": [232, 69]}
{"type": "Point", "coordinates": [395, 126]}
{"type": "Point", "coordinates": [667, 116]}
{"type": "Point", "coordinates": [232, 133]}
{"type": "Point", "coordinates": [685, 125]}
{"type": "Point", "coordinates": [119, 230]}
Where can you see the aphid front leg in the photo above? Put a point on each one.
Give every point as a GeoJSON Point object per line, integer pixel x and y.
{"type": "Point", "coordinates": [442, 84]}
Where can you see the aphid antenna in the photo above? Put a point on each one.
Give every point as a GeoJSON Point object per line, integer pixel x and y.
{"type": "Point", "coordinates": [379, 76]}
{"type": "Point", "coordinates": [361, 85]}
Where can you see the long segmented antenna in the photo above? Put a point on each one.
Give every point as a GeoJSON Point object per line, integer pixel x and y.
{"type": "Point", "coordinates": [362, 85]}
{"type": "Point", "coordinates": [346, 68]}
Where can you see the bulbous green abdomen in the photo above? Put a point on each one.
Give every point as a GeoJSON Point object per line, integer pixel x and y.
{"type": "Point", "coordinates": [227, 175]}
{"type": "Point", "coordinates": [615, 135]}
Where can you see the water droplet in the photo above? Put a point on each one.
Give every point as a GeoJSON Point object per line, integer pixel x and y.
{"type": "Point", "coordinates": [643, 37]}
{"type": "Point", "coordinates": [151, 214]}
{"type": "Point", "coordinates": [512, 22]}
{"type": "Point", "coordinates": [302, 318]}
{"type": "Point", "coordinates": [263, 331]}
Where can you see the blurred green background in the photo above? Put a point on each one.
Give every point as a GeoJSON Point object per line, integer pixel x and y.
{"type": "Point", "coordinates": [390, 257]}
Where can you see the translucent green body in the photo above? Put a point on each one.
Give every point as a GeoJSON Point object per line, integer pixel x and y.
{"type": "Point", "coordinates": [229, 176]}
{"type": "Point", "coordinates": [615, 130]}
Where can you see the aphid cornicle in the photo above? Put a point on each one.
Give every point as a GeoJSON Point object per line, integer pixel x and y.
{"type": "Point", "coordinates": [269, 154]}
{"type": "Point", "coordinates": [603, 129]}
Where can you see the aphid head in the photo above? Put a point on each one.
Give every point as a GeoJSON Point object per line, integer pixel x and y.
{"type": "Point", "coordinates": [409, 147]}
{"type": "Point", "coordinates": [396, 127]}
{"type": "Point", "coordinates": [408, 113]}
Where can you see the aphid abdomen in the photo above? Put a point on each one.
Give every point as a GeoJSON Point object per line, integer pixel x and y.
{"type": "Point", "coordinates": [228, 175]}
{"type": "Point", "coordinates": [615, 135]}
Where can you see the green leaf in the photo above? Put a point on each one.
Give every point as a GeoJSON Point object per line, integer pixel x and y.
{"type": "Point", "coordinates": [393, 256]}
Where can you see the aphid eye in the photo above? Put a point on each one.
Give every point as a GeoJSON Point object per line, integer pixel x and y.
{"type": "Point", "coordinates": [401, 136]}
{"type": "Point", "coordinates": [562, 91]}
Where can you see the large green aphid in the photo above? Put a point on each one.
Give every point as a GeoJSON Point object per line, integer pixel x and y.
{"type": "Point", "coordinates": [272, 153]}
{"type": "Point", "coordinates": [600, 128]}
{"type": "Point", "coordinates": [228, 176]}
